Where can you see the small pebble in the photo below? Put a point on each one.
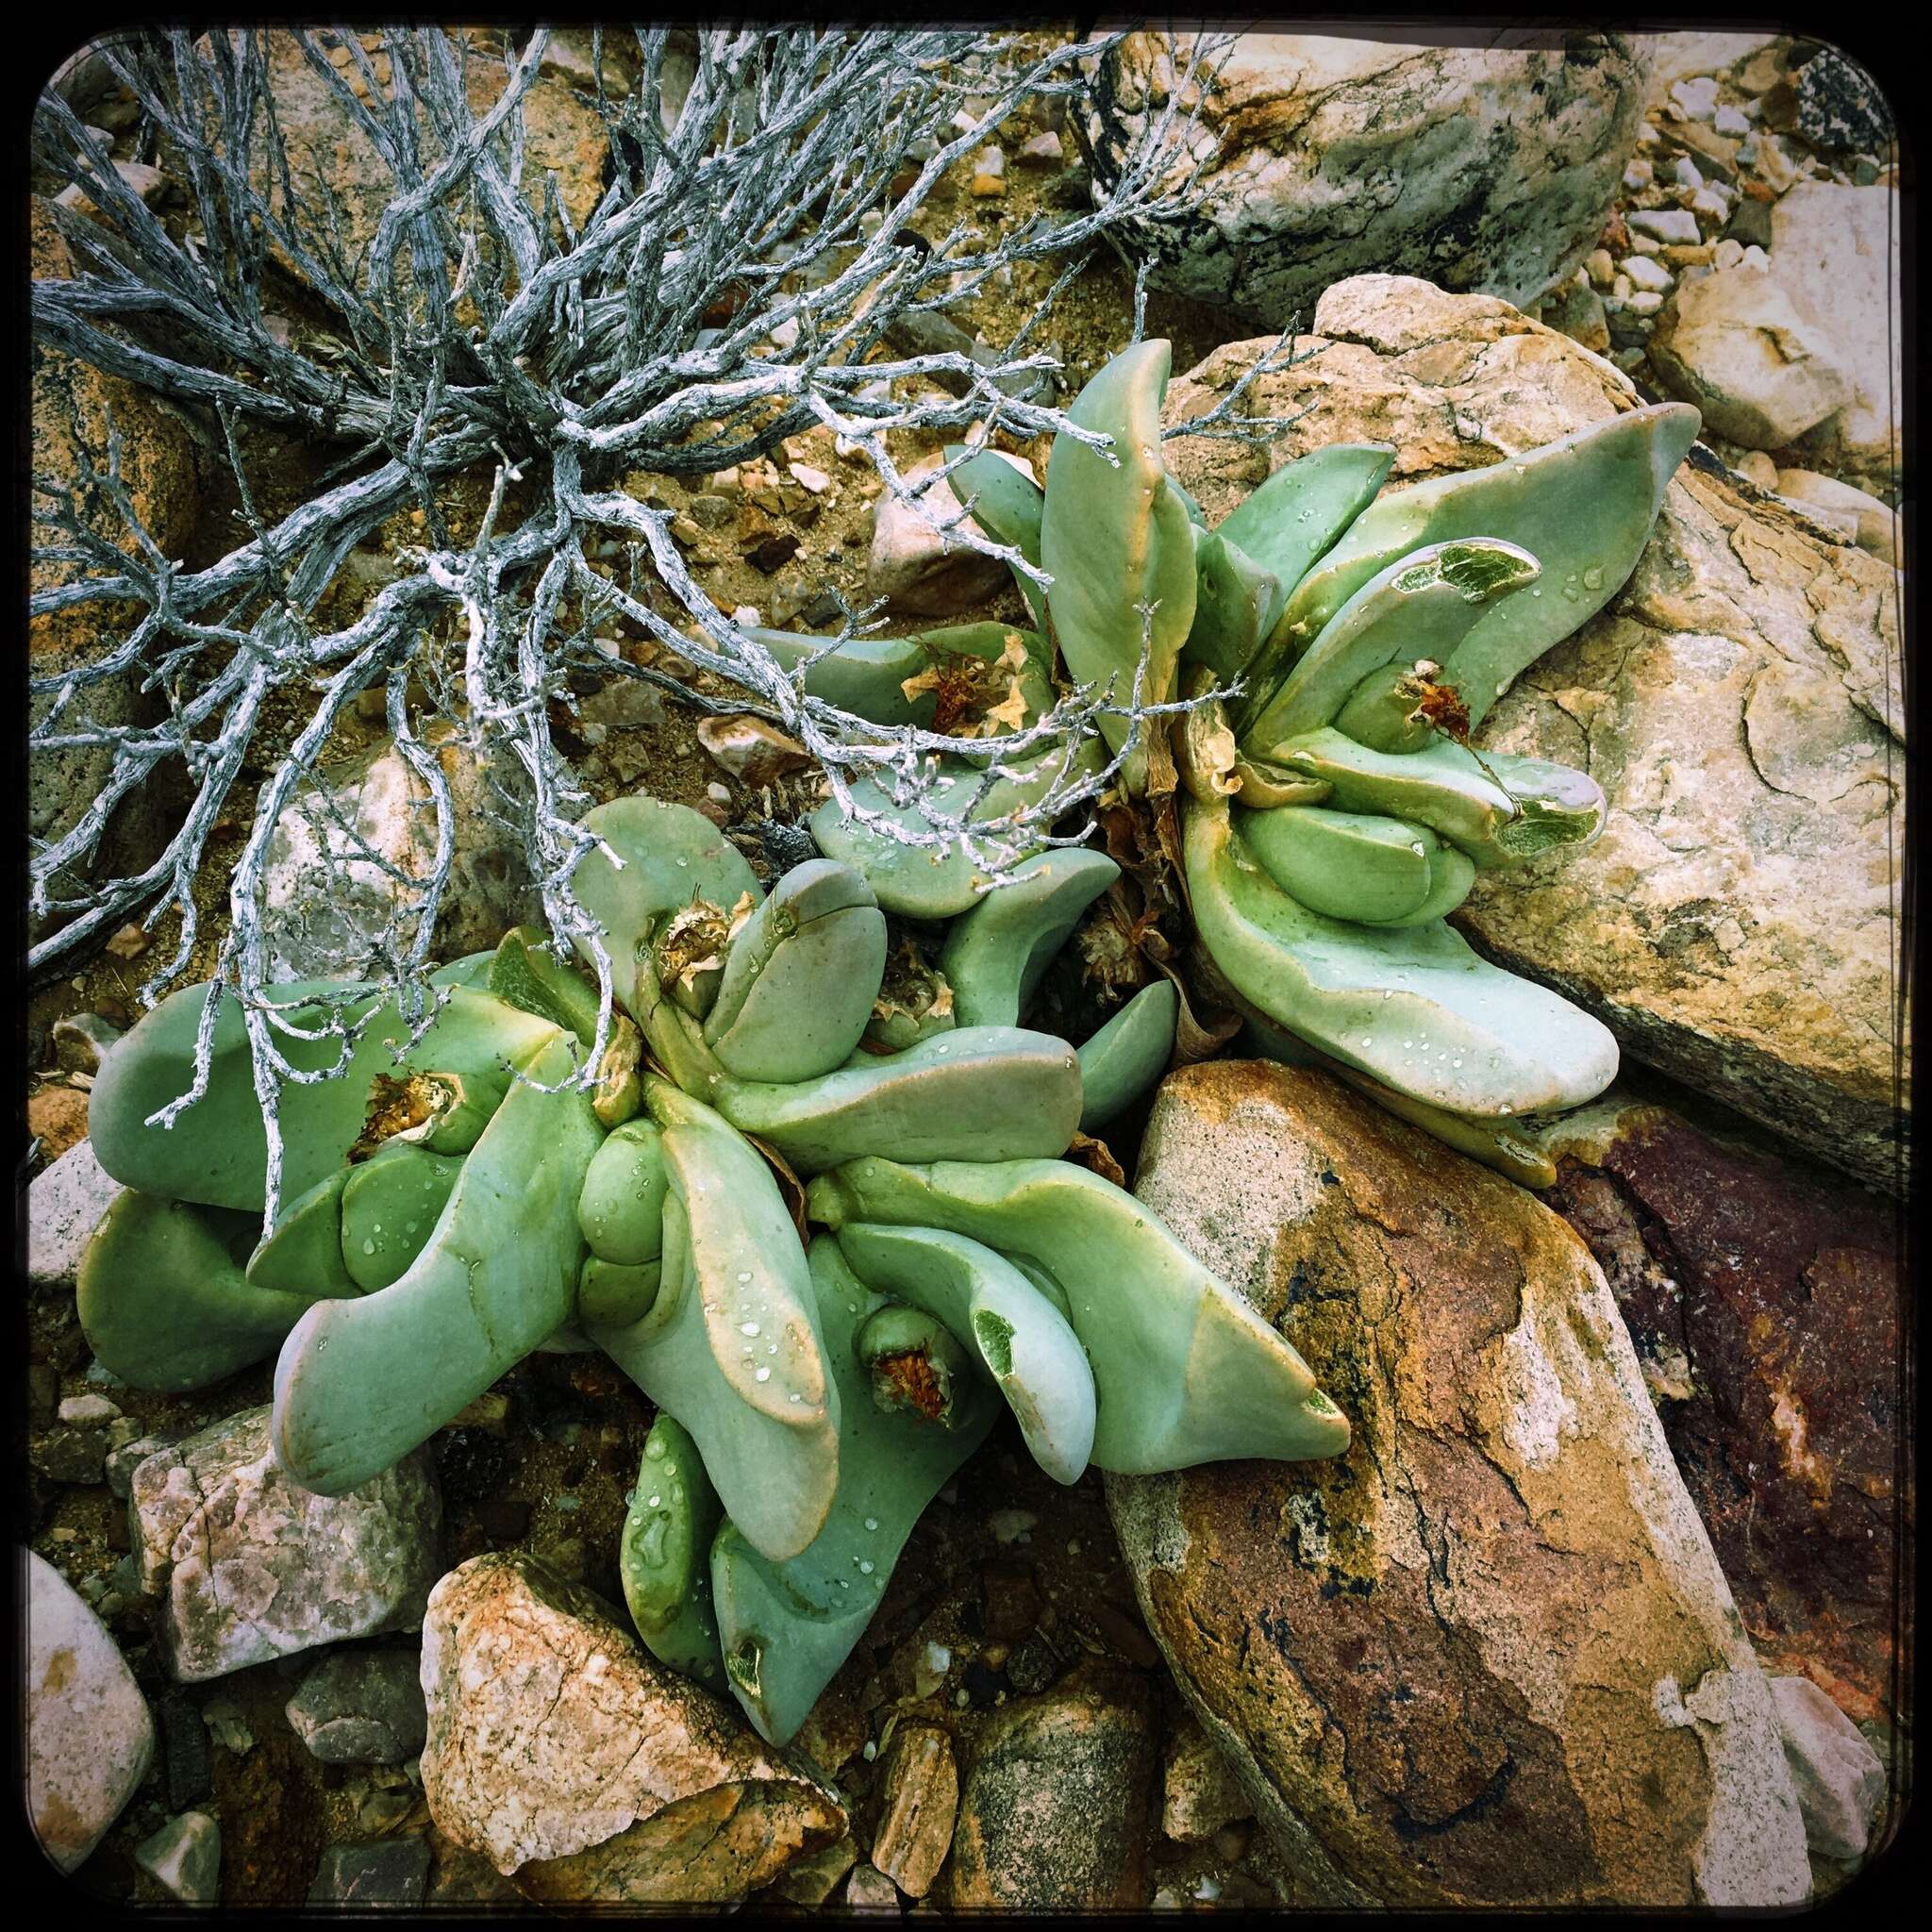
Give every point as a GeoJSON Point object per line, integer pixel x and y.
{"type": "Point", "coordinates": [85, 1410]}
{"type": "Point", "coordinates": [1644, 302]}
{"type": "Point", "coordinates": [1687, 176]}
{"type": "Point", "coordinates": [1712, 206]}
{"type": "Point", "coordinates": [1639, 175]}
{"type": "Point", "coordinates": [1666, 224]}
{"type": "Point", "coordinates": [1755, 258]}
{"type": "Point", "coordinates": [1731, 122]}
{"type": "Point", "coordinates": [1644, 274]}
{"type": "Point", "coordinates": [1729, 254]}
{"type": "Point", "coordinates": [1600, 268]}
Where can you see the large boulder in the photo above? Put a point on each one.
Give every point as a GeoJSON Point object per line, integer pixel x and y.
{"type": "Point", "coordinates": [1765, 1300]}
{"type": "Point", "coordinates": [1835, 252]}
{"type": "Point", "coordinates": [249, 1567]}
{"type": "Point", "coordinates": [569, 1758]}
{"type": "Point", "coordinates": [1487, 1657]}
{"type": "Point", "coordinates": [1484, 167]}
{"type": "Point", "coordinates": [1739, 703]}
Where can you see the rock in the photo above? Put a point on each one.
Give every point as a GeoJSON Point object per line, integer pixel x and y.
{"type": "Point", "coordinates": [1663, 224]}
{"type": "Point", "coordinates": [916, 569]}
{"type": "Point", "coordinates": [250, 1567]}
{"type": "Point", "coordinates": [1840, 107]}
{"type": "Point", "coordinates": [362, 1707]}
{"type": "Point", "coordinates": [870, 1890]}
{"type": "Point", "coordinates": [1835, 253]}
{"type": "Point", "coordinates": [1677, 57]}
{"type": "Point", "coordinates": [321, 921]}
{"type": "Point", "coordinates": [1710, 208]}
{"type": "Point", "coordinates": [1639, 175]}
{"type": "Point", "coordinates": [86, 1411]}
{"type": "Point", "coordinates": [1647, 274]}
{"type": "Point", "coordinates": [1199, 1793]}
{"type": "Point", "coordinates": [1763, 1298]}
{"type": "Point", "coordinates": [562, 1753]}
{"type": "Point", "coordinates": [811, 1880]}
{"type": "Point", "coordinates": [184, 1858]}
{"type": "Point", "coordinates": [751, 750]}
{"type": "Point", "coordinates": [1481, 167]}
{"type": "Point", "coordinates": [65, 1202]}
{"type": "Point", "coordinates": [122, 1462]}
{"type": "Point", "coordinates": [1053, 1814]}
{"type": "Point", "coordinates": [1738, 703]}
{"type": "Point", "coordinates": [918, 1795]}
{"type": "Point", "coordinates": [1696, 97]}
{"type": "Point", "coordinates": [1757, 467]}
{"type": "Point", "coordinates": [88, 1735]}
{"type": "Point", "coordinates": [1578, 313]}
{"type": "Point", "coordinates": [387, 1871]}
{"type": "Point", "coordinates": [1872, 521]}
{"type": "Point", "coordinates": [1686, 173]}
{"type": "Point", "coordinates": [160, 461]}
{"type": "Point", "coordinates": [1839, 1778]}
{"type": "Point", "coordinates": [81, 1039]}
{"type": "Point", "coordinates": [1042, 151]}
{"type": "Point", "coordinates": [1732, 123]}
{"type": "Point", "coordinates": [1497, 1620]}
{"type": "Point", "coordinates": [1600, 268]}
{"type": "Point", "coordinates": [989, 174]}
{"type": "Point", "coordinates": [1750, 226]}
{"type": "Point", "coordinates": [57, 1117]}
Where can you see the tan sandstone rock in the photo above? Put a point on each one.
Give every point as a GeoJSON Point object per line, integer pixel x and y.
{"type": "Point", "coordinates": [568, 1758]}
{"type": "Point", "coordinates": [1487, 1657]}
{"type": "Point", "coordinates": [1739, 703]}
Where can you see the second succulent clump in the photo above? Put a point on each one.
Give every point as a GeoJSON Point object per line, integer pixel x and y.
{"type": "Point", "coordinates": [448, 1214]}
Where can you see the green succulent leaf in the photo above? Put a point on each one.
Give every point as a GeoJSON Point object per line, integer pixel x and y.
{"type": "Point", "coordinates": [1237, 602]}
{"type": "Point", "coordinates": [973, 1093]}
{"type": "Point", "coordinates": [359, 1384]}
{"type": "Point", "coordinates": [1419, 608]}
{"type": "Point", "coordinates": [1185, 1371]}
{"type": "Point", "coordinates": [1357, 865]}
{"type": "Point", "coordinates": [303, 1254]}
{"type": "Point", "coordinates": [664, 1557]}
{"type": "Point", "coordinates": [1584, 506]}
{"type": "Point", "coordinates": [731, 1346]}
{"type": "Point", "coordinates": [800, 977]}
{"type": "Point", "coordinates": [1025, 1343]}
{"type": "Point", "coordinates": [162, 1299]}
{"type": "Point", "coordinates": [1116, 538]}
{"type": "Point", "coordinates": [390, 1205]}
{"type": "Point", "coordinates": [217, 1152]}
{"type": "Point", "coordinates": [785, 1626]}
{"type": "Point", "coordinates": [1009, 506]}
{"type": "Point", "coordinates": [995, 953]}
{"type": "Point", "coordinates": [1124, 1059]}
{"type": "Point", "coordinates": [621, 1207]}
{"type": "Point", "coordinates": [1498, 809]}
{"type": "Point", "coordinates": [1413, 1007]}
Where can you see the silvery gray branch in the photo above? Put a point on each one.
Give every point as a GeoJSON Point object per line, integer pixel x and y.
{"type": "Point", "coordinates": [480, 326]}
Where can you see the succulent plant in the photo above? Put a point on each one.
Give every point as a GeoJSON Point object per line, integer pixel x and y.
{"type": "Point", "coordinates": [453, 1203]}
{"type": "Point", "coordinates": [1336, 812]}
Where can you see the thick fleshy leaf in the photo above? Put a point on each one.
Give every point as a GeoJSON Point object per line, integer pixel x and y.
{"type": "Point", "coordinates": [1414, 1008]}
{"type": "Point", "coordinates": [1187, 1372]}
{"type": "Point", "coordinates": [1497, 808]}
{"type": "Point", "coordinates": [302, 1255]}
{"type": "Point", "coordinates": [731, 1347]}
{"type": "Point", "coordinates": [1495, 1142]}
{"type": "Point", "coordinates": [1355, 865]}
{"type": "Point", "coordinates": [1421, 608]}
{"type": "Point", "coordinates": [1116, 539]}
{"type": "Point", "coordinates": [664, 1558]}
{"type": "Point", "coordinates": [1124, 1059]}
{"type": "Point", "coordinates": [864, 676]}
{"type": "Point", "coordinates": [217, 1152]}
{"type": "Point", "coordinates": [1009, 505]}
{"type": "Point", "coordinates": [1025, 1345]}
{"type": "Point", "coordinates": [672, 856]}
{"type": "Point", "coordinates": [785, 1626]}
{"type": "Point", "coordinates": [1583, 506]}
{"type": "Point", "coordinates": [973, 1093]}
{"type": "Point", "coordinates": [620, 1207]}
{"type": "Point", "coordinates": [162, 1299]}
{"type": "Point", "coordinates": [362, 1383]}
{"type": "Point", "coordinates": [800, 977]}
{"type": "Point", "coordinates": [1303, 508]}
{"type": "Point", "coordinates": [994, 954]}
{"type": "Point", "coordinates": [390, 1205]}
{"type": "Point", "coordinates": [1237, 602]}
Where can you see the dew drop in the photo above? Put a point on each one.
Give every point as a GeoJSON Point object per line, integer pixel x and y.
{"type": "Point", "coordinates": [872, 1523]}
{"type": "Point", "coordinates": [747, 1328]}
{"type": "Point", "coordinates": [865, 1567]}
{"type": "Point", "coordinates": [368, 1247]}
{"type": "Point", "coordinates": [762, 1376]}
{"type": "Point", "coordinates": [744, 1275]}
